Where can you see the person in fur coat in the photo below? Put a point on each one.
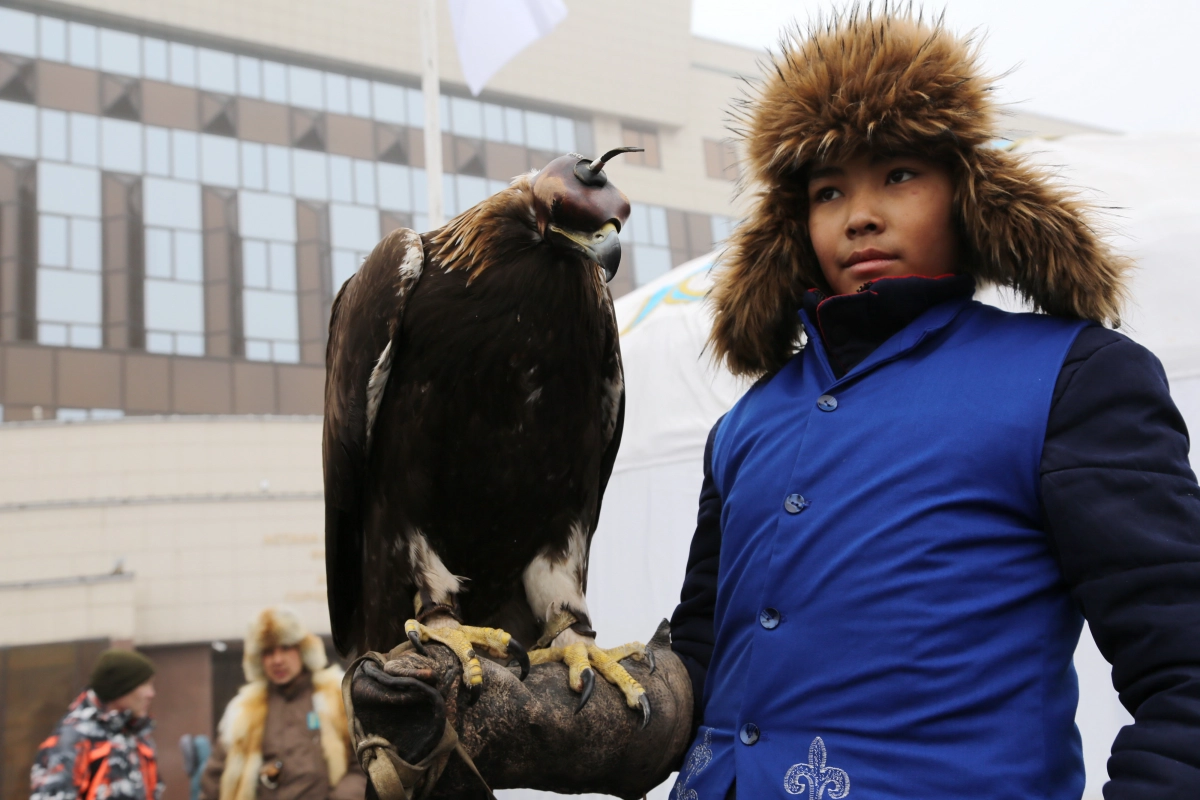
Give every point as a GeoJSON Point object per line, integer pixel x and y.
{"type": "Point", "coordinates": [284, 735]}
{"type": "Point", "coordinates": [906, 520]}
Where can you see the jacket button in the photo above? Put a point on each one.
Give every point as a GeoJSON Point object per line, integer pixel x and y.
{"type": "Point", "coordinates": [749, 733]}
{"type": "Point", "coordinates": [827, 402]}
{"type": "Point", "coordinates": [794, 503]}
{"type": "Point", "coordinates": [769, 618]}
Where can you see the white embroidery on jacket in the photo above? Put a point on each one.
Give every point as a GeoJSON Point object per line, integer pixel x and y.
{"type": "Point", "coordinates": [697, 760]}
{"type": "Point", "coordinates": [813, 778]}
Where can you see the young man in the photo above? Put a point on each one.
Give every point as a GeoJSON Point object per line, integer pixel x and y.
{"type": "Point", "coordinates": [904, 524]}
{"type": "Point", "coordinates": [284, 736]}
{"type": "Point", "coordinates": [102, 750]}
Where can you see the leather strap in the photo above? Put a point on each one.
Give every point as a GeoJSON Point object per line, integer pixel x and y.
{"type": "Point", "coordinates": [392, 776]}
{"type": "Point", "coordinates": [560, 622]}
{"type": "Point", "coordinates": [426, 608]}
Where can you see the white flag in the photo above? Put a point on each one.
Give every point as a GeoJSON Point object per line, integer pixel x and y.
{"type": "Point", "coordinates": [490, 32]}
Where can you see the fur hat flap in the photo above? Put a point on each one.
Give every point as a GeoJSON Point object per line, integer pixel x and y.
{"type": "Point", "coordinates": [280, 627]}
{"type": "Point", "coordinates": [891, 82]}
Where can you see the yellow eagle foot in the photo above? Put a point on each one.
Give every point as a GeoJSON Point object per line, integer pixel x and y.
{"type": "Point", "coordinates": [462, 640]}
{"type": "Point", "coordinates": [585, 659]}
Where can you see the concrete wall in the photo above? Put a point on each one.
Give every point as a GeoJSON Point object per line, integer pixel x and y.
{"type": "Point", "coordinates": [214, 517]}
{"type": "Point", "coordinates": [32, 612]}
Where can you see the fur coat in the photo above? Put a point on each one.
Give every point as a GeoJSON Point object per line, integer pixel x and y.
{"type": "Point", "coordinates": [234, 768]}
{"type": "Point", "coordinates": [240, 734]}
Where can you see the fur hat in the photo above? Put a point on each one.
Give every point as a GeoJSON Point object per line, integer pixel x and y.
{"type": "Point", "coordinates": [280, 627]}
{"type": "Point", "coordinates": [892, 82]}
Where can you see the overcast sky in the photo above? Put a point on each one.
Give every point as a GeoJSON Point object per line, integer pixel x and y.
{"type": "Point", "coordinates": [1118, 64]}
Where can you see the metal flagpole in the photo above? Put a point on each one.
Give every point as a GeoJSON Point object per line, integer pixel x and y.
{"type": "Point", "coordinates": [433, 124]}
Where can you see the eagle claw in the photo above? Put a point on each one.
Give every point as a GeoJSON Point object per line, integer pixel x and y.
{"type": "Point", "coordinates": [644, 705]}
{"type": "Point", "coordinates": [518, 654]}
{"type": "Point", "coordinates": [414, 636]}
{"type": "Point", "coordinates": [588, 677]}
{"type": "Point", "coordinates": [584, 659]}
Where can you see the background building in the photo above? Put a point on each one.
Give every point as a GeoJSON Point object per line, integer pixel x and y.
{"type": "Point", "coordinates": [183, 187]}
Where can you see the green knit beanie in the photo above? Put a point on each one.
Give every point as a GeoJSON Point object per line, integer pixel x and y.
{"type": "Point", "coordinates": [119, 672]}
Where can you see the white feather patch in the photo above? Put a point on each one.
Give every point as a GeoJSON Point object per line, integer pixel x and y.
{"type": "Point", "coordinates": [553, 583]}
{"type": "Point", "coordinates": [375, 386]}
{"type": "Point", "coordinates": [410, 266]}
{"type": "Point", "coordinates": [428, 570]}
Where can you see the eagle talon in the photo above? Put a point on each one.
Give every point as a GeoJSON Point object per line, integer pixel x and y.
{"type": "Point", "coordinates": [644, 705]}
{"type": "Point", "coordinates": [519, 654]}
{"type": "Point", "coordinates": [649, 656]}
{"type": "Point", "coordinates": [473, 692]}
{"type": "Point", "coordinates": [588, 678]}
{"type": "Point", "coordinates": [414, 636]}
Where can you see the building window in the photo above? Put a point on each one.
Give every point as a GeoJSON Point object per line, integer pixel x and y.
{"type": "Point", "coordinates": [174, 298]}
{"type": "Point", "coordinates": [18, 130]}
{"type": "Point", "coordinates": [721, 228]}
{"type": "Point", "coordinates": [271, 324]}
{"type": "Point", "coordinates": [395, 189]}
{"type": "Point", "coordinates": [647, 227]}
{"type": "Point", "coordinates": [68, 274]}
{"type": "Point", "coordinates": [195, 137]}
{"type": "Point", "coordinates": [87, 414]}
{"type": "Point", "coordinates": [353, 233]}
{"type": "Point", "coordinates": [644, 138]}
{"type": "Point", "coordinates": [174, 292]}
{"type": "Point", "coordinates": [721, 160]}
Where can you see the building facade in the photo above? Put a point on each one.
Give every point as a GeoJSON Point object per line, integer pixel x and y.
{"type": "Point", "coordinates": [181, 197]}
{"type": "Point", "coordinates": [185, 185]}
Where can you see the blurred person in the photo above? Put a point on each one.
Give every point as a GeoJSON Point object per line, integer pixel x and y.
{"type": "Point", "coordinates": [101, 749]}
{"type": "Point", "coordinates": [284, 735]}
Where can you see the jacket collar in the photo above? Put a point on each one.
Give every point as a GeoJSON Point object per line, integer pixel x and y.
{"type": "Point", "coordinates": [88, 704]}
{"type": "Point", "coordinates": [852, 328]}
{"type": "Point", "coordinates": [301, 684]}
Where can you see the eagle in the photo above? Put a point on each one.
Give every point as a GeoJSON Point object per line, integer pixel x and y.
{"type": "Point", "coordinates": [474, 403]}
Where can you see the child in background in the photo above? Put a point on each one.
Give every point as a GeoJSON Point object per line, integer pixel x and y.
{"type": "Point", "coordinates": [906, 520]}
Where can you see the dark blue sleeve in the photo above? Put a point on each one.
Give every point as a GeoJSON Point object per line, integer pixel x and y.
{"type": "Point", "coordinates": [692, 622]}
{"type": "Point", "coordinates": [1123, 514]}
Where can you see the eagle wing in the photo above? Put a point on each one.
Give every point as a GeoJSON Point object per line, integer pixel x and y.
{"type": "Point", "coordinates": [363, 324]}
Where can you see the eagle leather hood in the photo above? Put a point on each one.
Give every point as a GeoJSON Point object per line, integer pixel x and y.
{"type": "Point", "coordinates": [892, 82]}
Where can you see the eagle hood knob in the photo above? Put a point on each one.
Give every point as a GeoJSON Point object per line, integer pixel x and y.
{"type": "Point", "coordinates": [578, 207]}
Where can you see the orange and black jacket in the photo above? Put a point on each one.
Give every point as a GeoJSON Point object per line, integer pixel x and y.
{"type": "Point", "coordinates": [95, 754]}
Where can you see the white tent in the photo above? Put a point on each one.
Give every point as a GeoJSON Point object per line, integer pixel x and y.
{"type": "Point", "coordinates": [675, 394]}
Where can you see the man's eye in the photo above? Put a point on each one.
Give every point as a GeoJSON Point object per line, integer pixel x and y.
{"type": "Point", "coordinates": [900, 175]}
{"type": "Point", "coordinates": [825, 194]}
